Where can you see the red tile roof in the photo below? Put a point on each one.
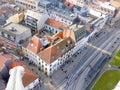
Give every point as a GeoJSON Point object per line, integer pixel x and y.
{"type": "Point", "coordinates": [55, 23]}
{"type": "Point", "coordinates": [28, 76]}
{"type": "Point", "coordinates": [4, 58]}
{"type": "Point", "coordinates": [69, 3]}
{"type": "Point", "coordinates": [7, 43]}
{"type": "Point", "coordinates": [8, 10]}
{"type": "Point", "coordinates": [55, 51]}
{"type": "Point", "coordinates": [34, 45]}
{"type": "Point", "coordinates": [59, 45]}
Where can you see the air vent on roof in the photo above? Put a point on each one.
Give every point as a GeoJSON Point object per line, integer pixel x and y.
{"type": "Point", "coordinates": [13, 29]}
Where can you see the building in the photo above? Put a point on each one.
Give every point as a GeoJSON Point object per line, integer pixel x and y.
{"type": "Point", "coordinates": [35, 19]}
{"type": "Point", "coordinates": [27, 4]}
{"type": "Point", "coordinates": [62, 14]}
{"type": "Point", "coordinates": [15, 32]}
{"type": "Point", "coordinates": [54, 26]}
{"type": "Point", "coordinates": [15, 18]}
{"type": "Point", "coordinates": [6, 1]}
{"type": "Point", "coordinates": [79, 3]}
{"type": "Point", "coordinates": [102, 9]}
{"type": "Point", "coordinates": [6, 59]}
{"type": "Point", "coordinates": [49, 53]}
{"type": "Point", "coordinates": [76, 32]}
{"type": "Point", "coordinates": [96, 24]}
{"type": "Point", "coordinates": [5, 13]}
{"type": "Point", "coordinates": [115, 3]}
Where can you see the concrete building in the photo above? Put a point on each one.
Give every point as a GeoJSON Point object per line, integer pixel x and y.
{"type": "Point", "coordinates": [15, 32]}
{"type": "Point", "coordinates": [5, 13]}
{"type": "Point", "coordinates": [62, 14]}
{"type": "Point", "coordinates": [54, 26]}
{"type": "Point", "coordinates": [27, 4]}
{"type": "Point", "coordinates": [79, 3]}
{"type": "Point", "coordinates": [102, 9]}
{"type": "Point", "coordinates": [35, 19]}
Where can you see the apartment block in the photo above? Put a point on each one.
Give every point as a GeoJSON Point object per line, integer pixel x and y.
{"type": "Point", "coordinates": [35, 19]}
{"type": "Point", "coordinates": [54, 26]}
{"type": "Point", "coordinates": [27, 4]}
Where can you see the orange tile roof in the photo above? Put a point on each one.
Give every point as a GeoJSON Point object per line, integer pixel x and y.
{"type": "Point", "coordinates": [54, 23]}
{"type": "Point", "coordinates": [69, 3]}
{"type": "Point", "coordinates": [4, 58]}
{"type": "Point", "coordinates": [53, 52]}
{"type": "Point", "coordinates": [28, 76]}
{"type": "Point", "coordinates": [34, 45]}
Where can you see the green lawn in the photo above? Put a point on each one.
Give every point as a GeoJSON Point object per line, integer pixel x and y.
{"type": "Point", "coordinates": [108, 80]}
{"type": "Point", "coordinates": [116, 59]}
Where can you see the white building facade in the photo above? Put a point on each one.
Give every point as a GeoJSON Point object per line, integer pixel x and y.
{"type": "Point", "coordinates": [31, 4]}
{"type": "Point", "coordinates": [47, 68]}
{"type": "Point", "coordinates": [52, 29]}
{"type": "Point", "coordinates": [35, 20]}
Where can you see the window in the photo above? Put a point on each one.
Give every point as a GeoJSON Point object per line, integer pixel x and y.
{"type": "Point", "coordinates": [2, 33]}
{"type": "Point", "coordinates": [56, 31]}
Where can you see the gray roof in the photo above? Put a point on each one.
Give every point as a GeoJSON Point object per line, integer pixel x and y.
{"type": "Point", "coordinates": [13, 29]}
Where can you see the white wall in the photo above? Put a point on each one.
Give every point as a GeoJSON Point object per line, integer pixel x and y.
{"type": "Point", "coordinates": [54, 65]}
{"type": "Point", "coordinates": [52, 29]}
{"type": "Point", "coordinates": [41, 21]}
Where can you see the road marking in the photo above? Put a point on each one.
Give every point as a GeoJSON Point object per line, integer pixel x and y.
{"type": "Point", "coordinates": [100, 49]}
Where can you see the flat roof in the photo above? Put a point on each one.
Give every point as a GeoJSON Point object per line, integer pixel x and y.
{"type": "Point", "coordinates": [35, 14]}
{"type": "Point", "coordinates": [108, 6]}
{"type": "Point", "coordinates": [14, 29]}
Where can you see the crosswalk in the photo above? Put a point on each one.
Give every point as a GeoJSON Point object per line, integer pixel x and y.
{"type": "Point", "coordinates": [99, 49]}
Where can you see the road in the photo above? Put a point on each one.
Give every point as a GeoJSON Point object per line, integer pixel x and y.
{"type": "Point", "coordinates": [105, 41]}
{"type": "Point", "coordinates": [85, 77]}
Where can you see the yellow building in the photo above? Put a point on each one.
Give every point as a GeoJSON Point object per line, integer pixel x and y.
{"type": "Point", "coordinates": [16, 18]}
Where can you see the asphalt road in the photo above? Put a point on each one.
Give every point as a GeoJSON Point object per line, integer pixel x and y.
{"type": "Point", "coordinates": [105, 41]}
